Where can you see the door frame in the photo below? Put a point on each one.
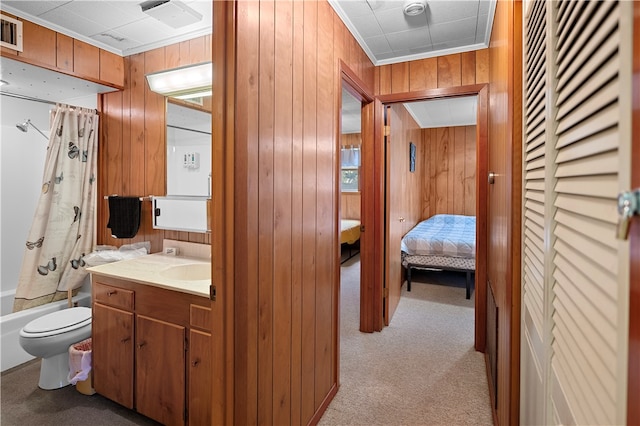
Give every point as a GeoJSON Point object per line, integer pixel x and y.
{"type": "Point", "coordinates": [378, 196]}
{"type": "Point", "coordinates": [356, 87]}
{"type": "Point", "coordinates": [633, 384]}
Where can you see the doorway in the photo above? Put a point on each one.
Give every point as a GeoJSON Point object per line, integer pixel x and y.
{"type": "Point", "coordinates": [381, 287]}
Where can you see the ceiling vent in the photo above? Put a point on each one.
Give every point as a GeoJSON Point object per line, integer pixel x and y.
{"type": "Point", "coordinates": [414, 7]}
{"type": "Point", "coordinates": [173, 13]}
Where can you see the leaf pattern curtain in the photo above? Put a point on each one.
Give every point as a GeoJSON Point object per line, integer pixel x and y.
{"type": "Point", "coordinates": [62, 231]}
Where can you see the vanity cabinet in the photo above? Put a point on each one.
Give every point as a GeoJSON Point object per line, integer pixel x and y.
{"type": "Point", "coordinates": [152, 350]}
{"type": "Point", "coordinates": [112, 345]}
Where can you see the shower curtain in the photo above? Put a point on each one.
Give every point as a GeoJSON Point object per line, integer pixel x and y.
{"type": "Point", "coordinates": [62, 231]}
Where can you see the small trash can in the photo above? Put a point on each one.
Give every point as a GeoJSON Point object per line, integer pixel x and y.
{"type": "Point", "coordinates": [80, 367]}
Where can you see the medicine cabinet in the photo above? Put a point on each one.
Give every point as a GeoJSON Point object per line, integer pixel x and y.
{"type": "Point", "coordinates": [188, 133]}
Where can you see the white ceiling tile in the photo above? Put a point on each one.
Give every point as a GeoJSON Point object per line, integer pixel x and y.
{"type": "Point", "coordinates": [409, 39]}
{"type": "Point", "coordinates": [378, 44]}
{"type": "Point", "coordinates": [355, 8]}
{"type": "Point", "coordinates": [387, 55]}
{"type": "Point", "coordinates": [464, 28]}
{"type": "Point", "coordinates": [146, 30]}
{"type": "Point", "coordinates": [421, 49]}
{"type": "Point", "coordinates": [393, 20]}
{"type": "Point", "coordinates": [367, 26]}
{"type": "Point", "coordinates": [441, 11]}
{"type": "Point", "coordinates": [385, 5]}
{"type": "Point", "coordinates": [104, 14]}
{"type": "Point", "coordinates": [35, 8]}
{"type": "Point", "coordinates": [116, 40]}
{"type": "Point", "coordinates": [444, 112]}
{"type": "Point", "coordinates": [73, 22]}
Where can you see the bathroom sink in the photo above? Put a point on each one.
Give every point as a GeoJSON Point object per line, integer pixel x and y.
{"type": "Point", "coordinates": [188, 272]}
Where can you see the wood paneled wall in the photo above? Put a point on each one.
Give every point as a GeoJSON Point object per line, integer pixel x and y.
{"type": "Point", "coordinates": [505, 133]}
{"type": "Point", "coordinates": [449, 165]}
{"type": "Point", "coordinates": [132, 149]}
{"type": "Point", "coordinates": [458, 69]}
{"type": "Point", "coordinates": [286, 207]}
{"type": "Point", "coordinates": [58, 52]}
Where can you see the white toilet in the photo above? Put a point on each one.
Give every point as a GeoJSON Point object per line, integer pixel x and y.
{"type": "Point", "coordinates": [49, 338]}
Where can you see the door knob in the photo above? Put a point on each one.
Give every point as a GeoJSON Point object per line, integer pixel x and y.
{"type": "Point", "coordinates": [628, 206]}
{"type": "Point", "coordinates": [491, 178]}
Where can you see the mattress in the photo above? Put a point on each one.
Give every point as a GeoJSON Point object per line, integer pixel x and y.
{"type": "Point", "coordinates": [442, 236]}
{"type": "Point", "coordinates": [349, 231]}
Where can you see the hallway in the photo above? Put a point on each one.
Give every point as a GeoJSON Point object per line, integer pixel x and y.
{"type": "Point", "coordinates": [422, 369]}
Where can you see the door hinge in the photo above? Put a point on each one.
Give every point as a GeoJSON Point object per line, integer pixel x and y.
{"type": "Point", "coordinates": [361, 228]}
{"type": "Point", "coordinates": [212, 292]}
{"type": "Point", "coordinates": [385, 292]}
{"type": "Point", "coordinates": [387, 130]}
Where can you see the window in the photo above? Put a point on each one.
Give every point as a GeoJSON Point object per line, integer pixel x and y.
{"type": "Point", "coordinates": [350, 174]}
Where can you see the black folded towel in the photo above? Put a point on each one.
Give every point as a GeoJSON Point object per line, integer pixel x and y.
{"type": "Point", "coordinates": [124, 216]}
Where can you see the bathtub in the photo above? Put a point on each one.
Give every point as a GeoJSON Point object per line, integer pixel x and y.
{"type": "Point", "coordinates": [11, 353]}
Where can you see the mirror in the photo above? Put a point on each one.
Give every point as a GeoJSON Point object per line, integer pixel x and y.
{"type": "Point", "coordinates": [188, 147]}
{"type": "Point", "coordinates": [188, 150]}
{"type": "Point", "coordinates": [188, 136]}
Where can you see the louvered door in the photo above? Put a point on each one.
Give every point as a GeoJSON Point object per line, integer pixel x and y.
{"type": "Point", "coordinates": [533, 256]}
{"type": "Point", "coordinates": [575, 272]}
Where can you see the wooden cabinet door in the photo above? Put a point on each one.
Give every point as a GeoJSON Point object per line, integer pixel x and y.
{"type": "Point", "coordinates": [112, 354]}
{"type": "Point", "coordinates": [160, 370]}
{"type": "Point", "coordinates": [199, 378]}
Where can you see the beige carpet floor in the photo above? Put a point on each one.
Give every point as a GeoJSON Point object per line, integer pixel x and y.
{"type": "Point", "coordinates": [420, 370]}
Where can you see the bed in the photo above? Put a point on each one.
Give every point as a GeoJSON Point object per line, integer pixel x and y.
{"type": "Point", "coordinates": [349, 236]}
{"type": "Point", "coordinates": [442, 242]}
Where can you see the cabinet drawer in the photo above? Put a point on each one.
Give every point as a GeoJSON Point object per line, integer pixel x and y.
{"type": "Point", "coordinates": [200, 317]}
{"type": "Point", "coordinates": [113, 296]}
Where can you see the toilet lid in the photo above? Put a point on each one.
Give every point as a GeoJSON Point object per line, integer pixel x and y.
{"type": "Point", "coordinates": [59, 321]}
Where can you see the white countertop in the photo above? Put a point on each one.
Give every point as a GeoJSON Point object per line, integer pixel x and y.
{"type": "Point", "coordinates": [148, 270]}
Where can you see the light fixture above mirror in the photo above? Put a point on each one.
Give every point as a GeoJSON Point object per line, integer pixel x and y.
{"type": "Point", "coordinates": [186, 82]}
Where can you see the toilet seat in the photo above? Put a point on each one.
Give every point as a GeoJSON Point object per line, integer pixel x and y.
{"type": "Point", "coordinates": [57, 322]}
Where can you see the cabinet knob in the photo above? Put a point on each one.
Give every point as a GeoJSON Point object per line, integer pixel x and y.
{"type": "Point", "coordinates": [195, 362]}
{"type": "Point", "coordinates": [141, 344]}
{"type": "Point", "coordinates": [125, 340]}
{"type": "Point", "coordinates": [111, 293]}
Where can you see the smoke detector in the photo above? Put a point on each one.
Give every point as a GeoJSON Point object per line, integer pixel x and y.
{"type": "Point", "coordinates": [414, 7]}
{"type": "Point", "coordinates": [170, 12]}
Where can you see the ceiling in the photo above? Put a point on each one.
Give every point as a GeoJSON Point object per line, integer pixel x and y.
{"type": "Point", "coordinates": [381, 28]}
{"type": "Point", "coordinates": [120, 27]}
{"type": "Point", "coordinates": [459, 111]}
{"type": "Point", "coordinates": [388, 36]}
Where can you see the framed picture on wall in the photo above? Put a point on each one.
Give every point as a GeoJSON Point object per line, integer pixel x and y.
{"type": "Point", "coordinates": [412, 157]}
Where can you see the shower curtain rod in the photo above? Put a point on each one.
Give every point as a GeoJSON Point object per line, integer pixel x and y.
{"type": "Point", "coordinates": [27, 98]}
{"type": "Point", "coordinates": [44, 101]}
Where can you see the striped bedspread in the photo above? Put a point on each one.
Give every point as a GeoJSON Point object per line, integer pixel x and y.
{"type": "Point", "coordinates": [444, 235]}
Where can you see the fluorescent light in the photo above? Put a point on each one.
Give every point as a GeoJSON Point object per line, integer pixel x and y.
{"type": "Point", "coordinates": [195, 95]}
{"type": "Point", "coordinates": [189, 80]}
